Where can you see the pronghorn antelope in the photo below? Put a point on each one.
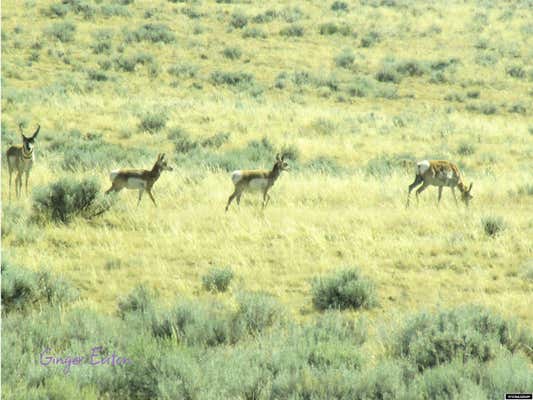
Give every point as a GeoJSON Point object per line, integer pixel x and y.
{"type": "Point", "coordinates": [258, 179]}
{"type": "Point", "coordinates": [21, 158]}
{"type": "Point", "coordinates": [439, 173]}
{"type": "Point", "coordinates": [140, 179]}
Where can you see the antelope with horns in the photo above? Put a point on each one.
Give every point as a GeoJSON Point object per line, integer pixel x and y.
{"type": "Point", "coordinates": [439, 173]}
{"type": "Point", "coordinates": [20, 158]}
{"type": "Point", "coordinates": [255, 180]}
{"type": "Point", "coordinates": [140, 179]}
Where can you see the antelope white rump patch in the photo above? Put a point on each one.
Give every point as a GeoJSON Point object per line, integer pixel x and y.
{"type": "Point", "coordinates": [422, 167]}
{"type": "Point", "coordinates": [236, 176]}
{"type": "Point", "coordinates": [113, 174]}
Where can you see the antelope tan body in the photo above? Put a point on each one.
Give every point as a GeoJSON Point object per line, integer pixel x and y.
{"type": "Point", "coordinates": [442, 174]}
{"type": "Point", "coordinates": [20, 159]}
{"type": "Point", "coordinates": [138, 179]}
{"type": "Point", "coordinates": [256, 180]}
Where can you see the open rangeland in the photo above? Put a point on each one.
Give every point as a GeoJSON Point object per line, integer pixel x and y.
{"type": "Point", "coordinates": [353, 94]}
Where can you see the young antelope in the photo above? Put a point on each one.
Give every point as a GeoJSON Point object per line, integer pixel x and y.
{"type": "Point", "coordinates": [20, 158]}
{"type": "Point", "coordinates": [140, 179]}
{"type": "Point", "coordinates": [255, 180]}
{"type": "Point", "coordinates": [441, 174]}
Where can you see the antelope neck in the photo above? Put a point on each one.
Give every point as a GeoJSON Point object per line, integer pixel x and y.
{"type": "Point", "coordinates": [27, 154]}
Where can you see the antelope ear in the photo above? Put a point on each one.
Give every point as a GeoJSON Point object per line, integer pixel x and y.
{"type": "Point", "coordinates": [21, 131]}
{"type": "Point", "coordinates": [162, 155]}
{"type": "Point", "coordinates": [277, 157]}
{"type": "Point", "coordinates": [283, 157]}
{"type": "Point", "coordinates": [470, 188]}
{"type": "Point", "coordinates": [36, 132]}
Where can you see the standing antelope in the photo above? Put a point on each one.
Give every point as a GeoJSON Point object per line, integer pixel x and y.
{"type": "Point", "coordinates": [140, 179]}
{"type": "Point", "coordinates": [439, 173]}
{"type": "Point", "coordinates": [21, 158]}
{"type": "Point", "coordinates": [257, 179]}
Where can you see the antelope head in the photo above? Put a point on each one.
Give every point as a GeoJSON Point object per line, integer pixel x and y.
{"type": "Point", "coordinates": [28, 141]}
{"type": "Point", "coordinates": [162, 163]}
{"type": "Point", "coordinates": [466, 196]}
{"type": "Point", "coordinates": [281, 164]}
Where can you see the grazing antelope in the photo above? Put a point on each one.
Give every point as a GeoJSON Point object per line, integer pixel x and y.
{"type": "Point", "coordinates": [20, 158]}
{"type": "Point", "coordinates": [439, 173]}
{"type": "Point", "coordinates": [140, 179]}
{"type": "Point", "coordinates": [257, 179]}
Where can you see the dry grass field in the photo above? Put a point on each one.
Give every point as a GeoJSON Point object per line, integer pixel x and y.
{"type": "Point", "coordinates": [353, 92]}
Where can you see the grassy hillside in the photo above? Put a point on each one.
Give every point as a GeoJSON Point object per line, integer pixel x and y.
{"type": "Point", "coordinates": [353, 92]}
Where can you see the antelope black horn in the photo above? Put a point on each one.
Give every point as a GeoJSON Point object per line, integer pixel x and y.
{"type": "Point", "coordinates": [36, 132]}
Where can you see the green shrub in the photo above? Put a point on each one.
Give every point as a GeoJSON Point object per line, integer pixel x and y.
{"type": "Point", "coordinates": [518, 108]}
{"type": "Point", "coordinates": [23, 289]}
{"type": "Point", "coordinates": [255, 33]}
{"type": "Point", "coordinates": [516, 71]}
{"type": "Point", "coordinates": [196, 323]}
{"type": "Point", "coordinates": [102, 41]}
{"type": "Point", "coordinates": [153, 121]}
{"type": "Point", "coordinates": [507, 373]}
{"type": "Point", "coordinates": [291, 14]}
{"type": "Point", "coordinates": [388, 74]}
{"type": "Point", "coordinates": [265, 17]}
{"type": "Point", "coordinates": [385, 381]}
{"type": "Point", "coordinates": [239, 20]}
{"type": "Point", "coordinates": [140, 300]}
{"type": "Point", "coordinates": [62, 31]}
{"type": "Point", "coordinates": [256, 312]}
{"type": "Point", "coordinates": [238, 79]}
{"type": "Point", "coordinates": [332, 28]}
{"type": "Point", "coordinates": [447, 381]}
{"type": "Point", "coordinates": [66, 198]}
{"type": "Point", "coordinates": [95, 75]}
{"type": "Point", "coordinates": [217, 279]}
{"type": "Point", "coordinates": [87, 152]}
{"type": "Point", "coordinates": [525, 190]}
{"type": "Point", "coordinates": [57, 10]}
{"type": "Point", "coordinates": [216, 140]}
{"type": "Point", "coordinates": [386, 164]}
{"type": "Point", "coordinates": [191, 12]}
{"type": "Point", "coordinates": [466, 333]}
{"type": "Point", "coordinates": [344, 289]}
{"type": "Point", "coordinates": [292, 30]}
{"type": "Point", "coordinates": [233, 53]}
{"type": "Point", "coordinates": [114, 10]}
{"type": "Point", "coordinates": [482, 108]}
{"type": "Point", "coordinates": [370, 39]}
{"type": "Point", "coordinates": [339, 6]}
{"type": "Point", "coordinates": [492, 225]}
{"type": "Point", "coordinates": [325, 165]}
{"type": "Point", "coordinates": [459, 97]}
{"type": "Point", "coordinates": [411, 68]}
{"type": "Point", "coordinates": [466, 149]}
{"type": "Point", "coordinates": [334, 325]}
{"type": "Point", "coordinates": [194, 153]}
{"type": "Point", "coordinates": [183, 70]}
{"type": "Point", "coordinates": [345, 59]}
{"type": "Point", "coordinates": [155, 33]}
{"type": "Point", "coordinates": [182, 141]}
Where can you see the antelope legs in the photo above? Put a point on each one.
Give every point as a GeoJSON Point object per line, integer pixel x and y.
{"type": "Point", "coordinates": [420, 190]}
{"type": "Point", "coordinates": [151, 196]}
{"type": "Point", "coordinates": [418, 181]}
